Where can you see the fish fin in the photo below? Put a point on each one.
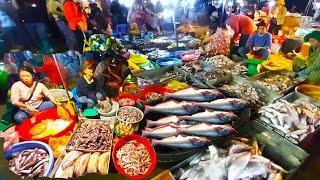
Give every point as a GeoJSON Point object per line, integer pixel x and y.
{"type": "Point", "coordinates": [150, 123]}
{"type": "Point", "coordinates": [154, 142]}
{"type": "Point", "coordinates": [147, 109]}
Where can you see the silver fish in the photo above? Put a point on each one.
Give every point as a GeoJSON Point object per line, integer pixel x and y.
{"type": "Point", "coordinates": [228, 104]}
{"type": "Point", "coordinates": [192, 94]}
{"type": "Point", "coordinates": [254, 170]}
{"type": "Point", "coordinates": [238, 164]}
{"type": "Point", "coordinates": [174, 108]}
{"type": "Point", "coordinates": [163, 121]}
{"type": "Point", "coordinates": [208, 130]}
{"type": "Point", "coordinates": [183, 142]}
{"type": "Point", "coordinates": [162, 131]}
{"type": "Point", "coordinates": [214, 117]}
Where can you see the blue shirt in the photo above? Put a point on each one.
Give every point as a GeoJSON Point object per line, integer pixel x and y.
{"type": "Point", "coordinates": [256, 40]}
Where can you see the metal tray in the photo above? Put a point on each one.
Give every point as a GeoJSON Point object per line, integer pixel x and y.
{"type": "Point", "coordinates": [275, 147]}
{"type": "Point", "coordinates": [285, 73]}
{"type": "Point", "coordinates": [111, 125]}
{"type": "Point", "coordinates": [311, 139]}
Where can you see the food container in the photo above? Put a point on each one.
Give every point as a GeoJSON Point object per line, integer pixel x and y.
{"type": "Point", "coordinates": [111, 125]}
{"type": "Point", "coordinates": [129, 107]}
{"type": "Point", "coordinates": [309, 90]}
{"type": "Point", "coordinates": [24, 128]}
{"type": "Point", "coordinates": [135, 128]}
{"type": "Point", "coordinates": [141, 140]}
{"type": "Point", "coordinates": [311, 139]}
{"type": "Point", "coordinates": [60, 94]}
{"type": "Point", "coordinates": [165, 62]}
{"type": "Point", "coordinates": [191, 55]}
{"type": "Point", "coordinates": [112, 112]}
{"type": "Point", "coordinates": [270, 73]}
{"type": "Point", "coordinates": [19, 147]}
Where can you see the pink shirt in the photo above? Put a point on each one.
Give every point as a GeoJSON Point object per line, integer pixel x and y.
{"type": "Point", "coordinates": [21, 92]}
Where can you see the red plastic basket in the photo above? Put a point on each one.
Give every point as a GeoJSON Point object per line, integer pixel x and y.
{"type": "Point", "coordinates": [141, 140]}
{"type": "Point", "coordinates": [24, 128]}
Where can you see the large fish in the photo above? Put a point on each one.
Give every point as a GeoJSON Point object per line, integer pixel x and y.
{"type": "Point", "coordinates": [228, 104]}
{"type": "Point", "coordinates": [162, 131]}
{"type": "Point", "coordinates": [163, 121]}
{"type": "Point", "coordinates": [183, 142]}
{"type": "Point", "coordinates": [192, 94]}
{"type": "Point", "coordinates": [174, 108]}
{"type": "Point", "coordinates": [208, 130]}
{"type": "Point", "coordinates": [213, 117]}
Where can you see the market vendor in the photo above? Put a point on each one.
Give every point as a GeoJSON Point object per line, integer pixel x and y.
{"type": "Point", "coordinates": [259, 43]}
{"type": "Point", "coordinates": [29, 95]}
{"type": "Point", "coordinates": [314, 39]}
{"type": "Point", "coordinates": [89, 90]}
{"type": "Point", "coordinates": [219, 43]}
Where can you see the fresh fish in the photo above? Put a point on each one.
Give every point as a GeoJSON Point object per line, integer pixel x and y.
{"type": "Point", "coordinates": [161, 132]}
{"type": "Point", "coordinates": [163, 121]}
{"type": "Point", "coordinates": [228, 104]}
{"type": "Point", "coordinates": [183, 142]}
{"type": "Point", "coordinates": [254, 170]}
{"type": "Point", "coordinates": [238, 164]}
{"type": "Point", "coordinates": [208, 130]}
{"type": "Point", "coordinates": [192, 94]}
{"type": "Point", "coordinates": [173, 107]}
{"type": "Point", "coordinates": [238, 148]}
{"type": "Point", "coordinates": [213, 117]}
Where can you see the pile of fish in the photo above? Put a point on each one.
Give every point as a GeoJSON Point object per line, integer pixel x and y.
{"type": "Point", "coordinates": [143, 82]}
{"type": "Point", "coordinates": [239, 161]}
{"type": "Point", "coordinates": [200, 115]}
{"type": "Point", "coordinates": [92, 135]}
{"type": "Point", "coordinates": [29, 163]}
{"type": "Point", "coordinates": [245, 91]}
{"type": "Point", "coordinates": [156, 54]}
{"type": "Point", "coordinates": [170, 75]}
{"type": "Point", "coordinates": [278, 82]}
{"type": "Point", "coordinates": [78, 163]}
{"type": "Point", "coordinates": [295, 120]}
{"type": "Point", "coordinates": [236, 70]}
{"type": "Point", "coordinates": [219, 61]}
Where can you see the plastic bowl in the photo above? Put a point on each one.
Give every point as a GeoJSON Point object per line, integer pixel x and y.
{"type": "Point", "coordinates": [141, 140]}
{"type": "Point", "coordinates": [309, 90]}
{"type": "Point", "coordinates": [114, 108]}
{"type": "Point", "coordinates": [60, 92]}
{"type": "Point", "coordinates": [24, 128]}
{"type": "Point", "coordinates": [163, 62]}
{"type": "Point", "coordinates": [19, 147]}
{"type": "Point", "coordinates": [131, 107]}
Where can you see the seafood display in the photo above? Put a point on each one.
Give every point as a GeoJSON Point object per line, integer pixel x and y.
{"type": "Point", "coordinates": [192, 94]}
{"type": "Point", "coordinates": [153, 96]}
{"type": "Point", "coordinates": [162, 131]}
{"type": "Point", "coordinates": [133, 158]}
{"type": "Point", "coordinates": [219, 61]}
{"type": "Point", "coordinates": [295, 120]}
{"type": "Point", "coordinates": [48, 127]}
{"type": "Point", "coordinates": [163, 121]}
{"type": "Point", "coordinates": [92, 136]}
{"type": "Point", "coordinates": [208, 130]}
{"type": "Point", "coordinates": [129, 114]}
{"type": "Point", "coordinates": [143, 82]}
{"type": "Point", "coordinates": [173, 107]}
{"type": "Point", "coordinates": [239, 161]}
{"type": "Point", "coordinates": [246, 92]}
{"type": "Point", "coordinates": [157, 54]}
{"type": "Point", "coordinates": [170, 75]}
{"type": "Point", "coordinates": [182, 142]}
{"type": "Point", "coordinates": [124, 128]}
{"type": "Point", "coordinates": [236, 70]}
{"type": "Point", "coordinates": [29, 163]}
{"type": "Point", "coordinates": [228, 104]}
{"type": "Point", "coordinates": [278, 82]}
{"type": "Point", "coordinates": [78, 164]}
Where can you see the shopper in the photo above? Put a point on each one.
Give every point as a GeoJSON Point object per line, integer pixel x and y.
{"type": "Point", "coordinates": [8, 31]}
{"type": "Point", "coordinates": [219, 43]}
{"type": "Point", "coordinates": [55, 9]}
{"type": "Point", "coordinates": [259, 43]}
{"type": "Point", "coordinates": [89, 90]}
{"type": "Point", "coordinates": [34, 17]}
{"type": "Point", "coordinates": [117, 13]}
{"type": "Point", "coordinates": [152, 16]}
{"type": "Point", "coordinates": [29, 95]}
{"type": "Point", "coordinates": [96, 19]}
{"type": "Point", "coordinates": [277, 15]}
{"type": "Point", "coordinates": [77, 20]}
{"type": "Point", "coordinates": [314, 39]}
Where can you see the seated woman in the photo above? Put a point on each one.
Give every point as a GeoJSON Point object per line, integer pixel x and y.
{"type": "Point", "coordinates": [89, 90]}
{"type": "Point", "coordinates": [28, 95]}
{"type": "Point", "coordinates": [259, 43]}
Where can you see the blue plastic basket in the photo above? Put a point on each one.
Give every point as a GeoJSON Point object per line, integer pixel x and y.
{"type": "Point", "coordinates": [164, 62]}
{"type": "Point", "coordinates": [19, 147]}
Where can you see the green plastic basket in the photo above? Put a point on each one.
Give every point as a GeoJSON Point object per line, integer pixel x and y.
{"type": "Point", "coordinates": [253, 65]}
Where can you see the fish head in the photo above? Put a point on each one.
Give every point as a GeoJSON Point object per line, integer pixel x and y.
{"type": "Point", "coordinates": [191, 109]}
{"type": "Point", "coordinates": [239, 104]}
{"type": "Point", "coordinates": [212, 94]}
{"type": "Point", "coordinates": [200, 141]}
{"type": "Point", "coordinates": [225, 117]}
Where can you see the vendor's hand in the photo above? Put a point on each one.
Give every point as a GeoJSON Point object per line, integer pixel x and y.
{"type": "Point", "coordinates": [32, 109]}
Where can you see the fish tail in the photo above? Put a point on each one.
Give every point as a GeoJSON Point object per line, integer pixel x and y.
{"type": "Point", "coordinates": [147, 109]}
{"type": "Point", "coordinates": [150, 123]}
{"type": "Point", "coordinates": [145, 133]}
{"type": "Point", "coordinates": [155, 142]}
